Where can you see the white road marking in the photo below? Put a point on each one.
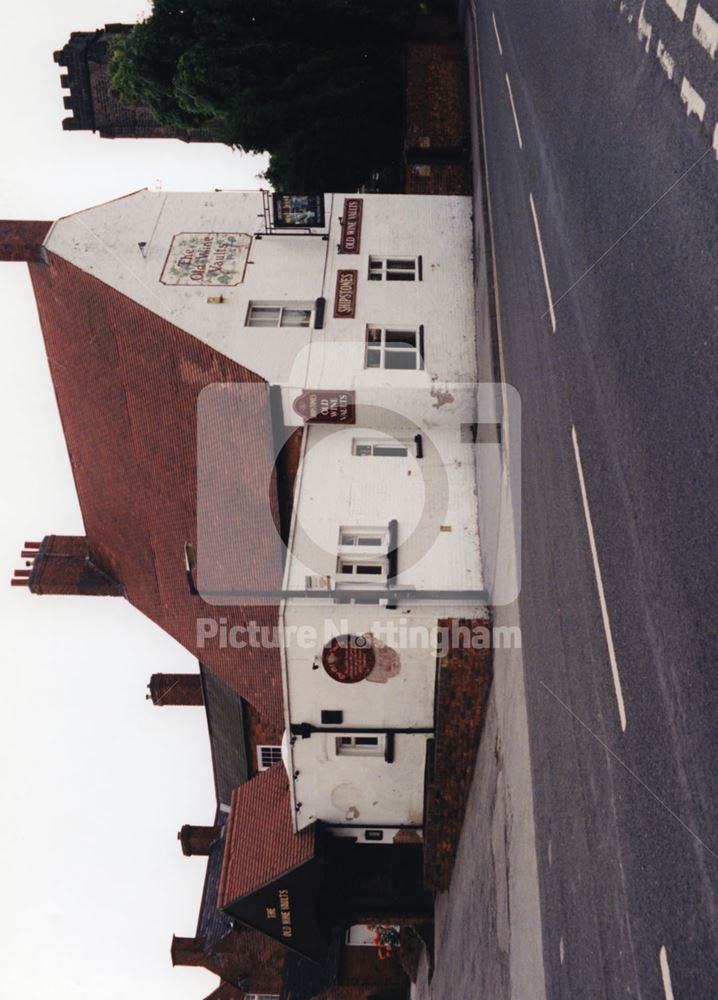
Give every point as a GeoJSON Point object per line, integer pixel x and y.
{"type": "Point", "coordinates": [513, 108]}
{"type": "Point", "coordinates": [550, 854]}
{"type": "Point", "coordinates": [498, 39]}
{"type": "Point", "coordinates": [705, 31]}
{"type": "Point", "coordinates": [645, 30]}
{"type": "Point", "coordinates": [561, 951]}
{"type": "Point", "coordinates": [665, 59]}
{"type": "Point", "coordinates": [715, 141]}
{"type": "Point", "coordinates": [552, 314]}
{"type": "Point", "coordinates": [599, 585]}
{"type": "Point", "coordinates": [678, 7]}
{"type": "Point", "coordinates": [695, 105]}
{"type": "Point", "coordinates": [665, 973]}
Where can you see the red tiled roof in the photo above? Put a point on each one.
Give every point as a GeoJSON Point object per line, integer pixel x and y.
{"type": "Point", "coordinates": [127, 383]}
{"type": "Point", "coordinates": [261, 843]}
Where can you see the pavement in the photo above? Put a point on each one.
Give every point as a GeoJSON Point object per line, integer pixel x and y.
{"type": "Point", "coordinates": [602, 181]}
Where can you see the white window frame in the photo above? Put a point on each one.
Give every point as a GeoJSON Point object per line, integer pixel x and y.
{"type": "Point", "coordinates": [282, 311]}
{"type": "Point", "coordinates": [383, 448]}
{"type": "Point", "coordinates": [384, 347]}
{"type": "Point", "coordinates": [393, 268]}
{"type": "Point", "coordinates": [354, 570]}
{"type": "Point", "coordinates": [358, 549]}
{"type": "Point", "coordinates": [353, 539]}
{"type": "Point", "coordinates": [274, 755]}
{"type": "Point", "coordinates": [371, 745]}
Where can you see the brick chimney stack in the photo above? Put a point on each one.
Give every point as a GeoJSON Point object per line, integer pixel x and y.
{"type": "Point", "coordinates": [20, 239]}
{"type": "Point", "coordinates": [187, 951]}
{"type": "Point", "coordinates": [175, 689]}
{"type": "Point", "coordinates": [197, 840]}
{"type": "Point", "coordinates": [62, 564]}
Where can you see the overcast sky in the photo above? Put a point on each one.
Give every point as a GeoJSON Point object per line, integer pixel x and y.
{"type": "Point", "coordinates": [94, 781]}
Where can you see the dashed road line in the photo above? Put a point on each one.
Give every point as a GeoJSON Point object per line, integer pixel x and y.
{"type": "Point", "coordinates": [705, 31]}
{"type": "Point", "coordinates": [678, 7]}
{"type": "Point", "coordinates": [695, 105]}
{"type": "Point", "coordinates": [513, 108]}
{"type": "Point", "coordinates": [668, 63]}
{"type": "Point", "coordinates": [599, 585]}
{"type": "Point", "coordinates": [665, 973]}
{"type": "Point", "coordinates": [496, 30]}
{"type": "Point", "coordinates": [552, 314]}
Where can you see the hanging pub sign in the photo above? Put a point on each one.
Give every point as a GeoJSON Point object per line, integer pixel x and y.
{"type": "Point", "coordinates": [298, 211]}
{"type": "Point", "coordinates": [326, 406]}
{"type": "Point", "coordinates": [206, 259]}
{"type": "Point", "coordinates": [345, 298]}
{"type": "Point", "coordinates": [350, 240]}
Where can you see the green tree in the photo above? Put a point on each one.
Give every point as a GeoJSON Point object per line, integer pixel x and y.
{"type": "Point", "coordinates": [317, 83]}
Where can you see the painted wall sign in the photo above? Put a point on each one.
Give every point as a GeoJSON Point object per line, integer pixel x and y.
{"type": "Point", "coordinates": [206, 259]}
{"type": "Point", "coordinates": [298, 211]}
{"type": "Point", "coordinates": [349, 658]}
{"type": "Point", "coordinates": [345, 298]}
{"type": "Point", "coordinates": [350, 240]}
{"type": "Point", "coordinates": [326, 406]}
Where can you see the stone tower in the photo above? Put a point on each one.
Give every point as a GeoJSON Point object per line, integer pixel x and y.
{"type": "Point", "coordinates": [86, 60]}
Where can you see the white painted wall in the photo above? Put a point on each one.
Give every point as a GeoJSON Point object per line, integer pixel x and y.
{"type": "Point", "coordinates": [104, 241]}
{"type": "Point", "coordinates": [360, 790]}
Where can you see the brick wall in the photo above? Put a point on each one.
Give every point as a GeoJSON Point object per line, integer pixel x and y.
{"type": "Point", "coordinates": [463, 684]}
{"type": "Point", "coordinates": [437, 135]}
{"type": "Point", "coordinates": [361, 966]}
{"type": "Point", "coordinates": [259, 732]}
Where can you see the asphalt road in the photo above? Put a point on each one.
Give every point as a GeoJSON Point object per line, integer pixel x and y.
{"type": "Point", "coordinates": [625, 193]}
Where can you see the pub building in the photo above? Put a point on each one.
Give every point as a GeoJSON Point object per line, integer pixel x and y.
{"type": "Point", "coordinates": [269, 407]}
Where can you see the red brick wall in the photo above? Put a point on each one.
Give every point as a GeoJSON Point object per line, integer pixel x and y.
{"type": "Point", "coordinates": [464, 681]}
{"type": "Point", "coordinates": [444, 178]}
{"type": "Point", "coordinates": [361, 966]}
{"type": "Point", "coordinates": [259, 731]}
{"type": "Point", "coordinates": [437, 136]}
{"type": "Point", "coordinates": [436, 96]}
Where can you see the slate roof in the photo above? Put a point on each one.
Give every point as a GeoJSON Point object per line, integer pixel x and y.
{"type": "Point", "coordinates": [127, 383]}
{"type": "Point", "coordinates": [260, 842]}
{"type": "Point", "coordinates": [228, 745]}
{"type": "Point", "coordinates": [213, 925]}
{"type": "Point", "coordinates": [303, 979]}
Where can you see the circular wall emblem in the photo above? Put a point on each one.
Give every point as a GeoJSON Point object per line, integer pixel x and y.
{"type": "Point", "coordinates": [349, 658]}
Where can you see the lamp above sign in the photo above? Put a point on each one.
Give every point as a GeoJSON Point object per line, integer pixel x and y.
{"type": "Point", "coordinates": [298, 211]}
